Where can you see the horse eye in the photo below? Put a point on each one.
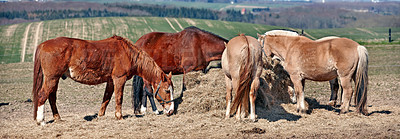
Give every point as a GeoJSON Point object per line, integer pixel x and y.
{"type": "Point", "coordinates": [166, 90]}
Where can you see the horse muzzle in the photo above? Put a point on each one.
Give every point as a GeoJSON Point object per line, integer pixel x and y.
{"type": "Point", "coordinates": [169, 110]}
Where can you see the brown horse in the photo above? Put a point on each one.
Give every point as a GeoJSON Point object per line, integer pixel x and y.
{"type": "Point", "coordinates": [113, 60]}
{"type": "Point", "coordinates": [191, 49]}
{"type": "Point", "coordinates": [322, 61]}
{"type": "Point", "coordinates": [242, 65]}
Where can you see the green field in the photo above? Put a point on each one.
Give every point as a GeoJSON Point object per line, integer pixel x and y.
{"type": "Point", "coordinates": [18, 41]}
{"type": "Point", "coordinates": [27, 36]}
{"type": "Point", "coordinates": [214, 6]}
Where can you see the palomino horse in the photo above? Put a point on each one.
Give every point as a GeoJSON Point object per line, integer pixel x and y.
{"type": "Point", "coordinates": [322, 61]}
{"type": "Point", "coordinates": [242, 65]}
{"type": "Point", "coordinates": [191, 49]}
{"type": "Point", "coordinates": [334, 83]}
{"type": "Point", "coordinates": [113, 60]}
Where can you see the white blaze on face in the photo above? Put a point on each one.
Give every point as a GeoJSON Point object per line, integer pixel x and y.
{"type": "Point", "coordinates": [171, 107]}
{"type": "Point", "coordinates": [40, 115]}
{"type": "Point", "coordinates": [71, 73]}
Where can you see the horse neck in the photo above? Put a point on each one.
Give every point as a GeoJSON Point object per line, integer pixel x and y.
{"type": "Point", "coordinates": [282, 44]}
{"type": "Point", "coordinates": [145, 67]}
{"type": "Point", "coordinates": [211, 54]}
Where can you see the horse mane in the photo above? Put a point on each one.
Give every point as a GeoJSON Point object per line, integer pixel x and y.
{"type": "Point", "coordinates": [144, 64]}
{"type": "Point", "coordinates": [327, 38]}
{"type": "Point", "coordinates": [193, 28]}
{"type": "Point", "coordinates": [281, 33]}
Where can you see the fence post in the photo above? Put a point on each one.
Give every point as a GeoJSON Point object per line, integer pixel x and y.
{"type": "Point", "coordinates": [390, 35]}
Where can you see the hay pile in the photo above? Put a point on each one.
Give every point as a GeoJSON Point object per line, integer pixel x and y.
{"type": "Point", "coordinates": [206, 92]}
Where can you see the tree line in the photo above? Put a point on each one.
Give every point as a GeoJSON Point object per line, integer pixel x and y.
{"type": "Point", "coordinates": [58, 14]}
{"type": "Point", "coordinates": [131, 10]}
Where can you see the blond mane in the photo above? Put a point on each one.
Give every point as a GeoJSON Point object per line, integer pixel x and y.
{"type": "Point", "coordinates": [281, 33]}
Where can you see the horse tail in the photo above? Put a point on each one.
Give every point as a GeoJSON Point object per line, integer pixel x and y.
{"type": "Point", "coordinates": [137, 92]}
{"type": "Point", "coordinates": [244, 82]}
{"type": "Point", "coordinates": [361, 80]}
{"type": "Point", "coordinates": [37, 81]}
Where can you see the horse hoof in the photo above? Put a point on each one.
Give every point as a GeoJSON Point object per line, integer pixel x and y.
{"type": "Point", "coordinates": [332, 103]}
{"type": "Point", "coordinates": [118, 116]}
{"type": "Point", "coordinates": [304, 111]}
{"type": "Point", "coordinates": [42, 123]}
{"type": "Point", "coordinates": [58, 121]}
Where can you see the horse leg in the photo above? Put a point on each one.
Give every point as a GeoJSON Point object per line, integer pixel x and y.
{"type": "Point", "coordinates": [137, 92]}
{"type": "Point", "coordinates": [119, 84]}
{"type": "Point", "coordinates": [254, 87]}
{"type": "Point", "coordinates": [144, 92]}
{"type": "Point", "coordinates": [334, 84]}
{"type": "Point", "coordinates": [149, 93]}
{"type": "Point", "coordinates": [299, 89]}
{"type": "Point", "coordinates": [238, 112]}
{"type": "Point", "coordinates": [106, 98]}
{"type": "Point", "coordinates": [228, 97]}
{"type": "Point", "coordinates": [347, 93]}
{"type": "Point", "coordinates": [49, 86]}
{"type": "Point", "coordinates": [52, 100]}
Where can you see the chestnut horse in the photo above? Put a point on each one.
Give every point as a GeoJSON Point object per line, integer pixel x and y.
{"type": "Point", "coordinates": [322, 61]}
{"type": "Point", "coordinates": [113, 60]}
{"type": "Point", "coordinates": [191, 49]}
{"type": "Point", "coordinates": [242, 65]}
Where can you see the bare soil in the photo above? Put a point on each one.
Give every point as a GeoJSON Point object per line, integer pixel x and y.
{"type": "Point", "coordinates": [200, 112]}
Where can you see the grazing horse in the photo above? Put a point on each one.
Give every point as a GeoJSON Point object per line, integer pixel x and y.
{"type": "Point", "coordinates": [322, 61]}
{"type": "Point", "coordinates": [113, 60]}
{"type": "Point", "coordinates": [334, 83]}
{"type": "Point", "coordinates": [242, 65]}
{"type": "Point", "coordinates": [191, 49]}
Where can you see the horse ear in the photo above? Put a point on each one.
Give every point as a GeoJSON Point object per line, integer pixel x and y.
{"type": "Point", "coordinates": [258, 35]}
{"type": "Point", "coordinates": [225, 44]}
{"type": "Point", "coordinates": [170, 75]}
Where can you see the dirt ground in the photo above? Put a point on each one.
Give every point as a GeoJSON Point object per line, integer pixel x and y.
{"type": "Point", "coordinates": [200, 113]}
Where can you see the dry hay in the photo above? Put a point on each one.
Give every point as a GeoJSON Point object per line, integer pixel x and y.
{"type": "Point", "coordinates": [206, 92]}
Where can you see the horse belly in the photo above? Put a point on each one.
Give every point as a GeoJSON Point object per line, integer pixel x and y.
{"type": "Point", "coordinates": [321, 76]}
{"type": "Point", "coordinates": [85, 76]}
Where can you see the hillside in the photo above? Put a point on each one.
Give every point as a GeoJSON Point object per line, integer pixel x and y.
{"type": "Point", "coordinates": [18, 41]}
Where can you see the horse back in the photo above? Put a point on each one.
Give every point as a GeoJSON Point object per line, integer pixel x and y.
{"type": "Point", "coordinates": [88, 62]}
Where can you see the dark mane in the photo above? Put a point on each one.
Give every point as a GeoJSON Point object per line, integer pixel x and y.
{"type": "Point", "coordinates": [193, 28]}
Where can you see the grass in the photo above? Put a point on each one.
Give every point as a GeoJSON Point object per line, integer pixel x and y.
{"type": "Point", "coordinates": [214, 6]}
{"type": "Point", "coordinates": [379, 35]}
{"type": "Point", "coordinates": [384, 59]}
{"type": "Point", "coordinates": [13, 36]}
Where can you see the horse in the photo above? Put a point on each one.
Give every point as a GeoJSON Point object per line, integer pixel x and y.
{"type": "Point", "coordinates": [192, 49]}
{"type": "Point", "coordinates": [113, 60]}
{"type": "Point", "coordinates": [304, 59]}
{"type": "Point", "coordinates": [242, 66]}
{"type": "Point", "coordinates": [334, 83]}
{"type": "Point", "coordinates": [141, 92]}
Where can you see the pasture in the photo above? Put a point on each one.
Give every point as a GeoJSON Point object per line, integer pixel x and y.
{"type": "Point", "coordinates": [202, 109]}
{"type": "Point", "coordinates": [18, 41]}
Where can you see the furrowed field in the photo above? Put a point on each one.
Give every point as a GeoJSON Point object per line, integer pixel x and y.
{"type": "Point", "coordinates": [18, 41]}
{"type": "Point", "coordinates": [201, 112]}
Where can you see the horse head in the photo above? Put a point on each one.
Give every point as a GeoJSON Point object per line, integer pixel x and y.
{"type": "Point", "coordinates": [165, 94]}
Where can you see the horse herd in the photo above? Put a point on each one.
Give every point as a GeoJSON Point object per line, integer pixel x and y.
{"type": "Point", "coordinates": [156, 56]}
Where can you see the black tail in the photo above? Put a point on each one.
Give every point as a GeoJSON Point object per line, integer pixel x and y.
{"type": "Point", "coordinates": [137, 92]}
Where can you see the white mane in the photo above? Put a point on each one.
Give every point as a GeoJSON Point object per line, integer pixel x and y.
{"type": "Point", "coordinates": [281, 32]}
{"type": "Point", "coordinates": [327, 38]}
